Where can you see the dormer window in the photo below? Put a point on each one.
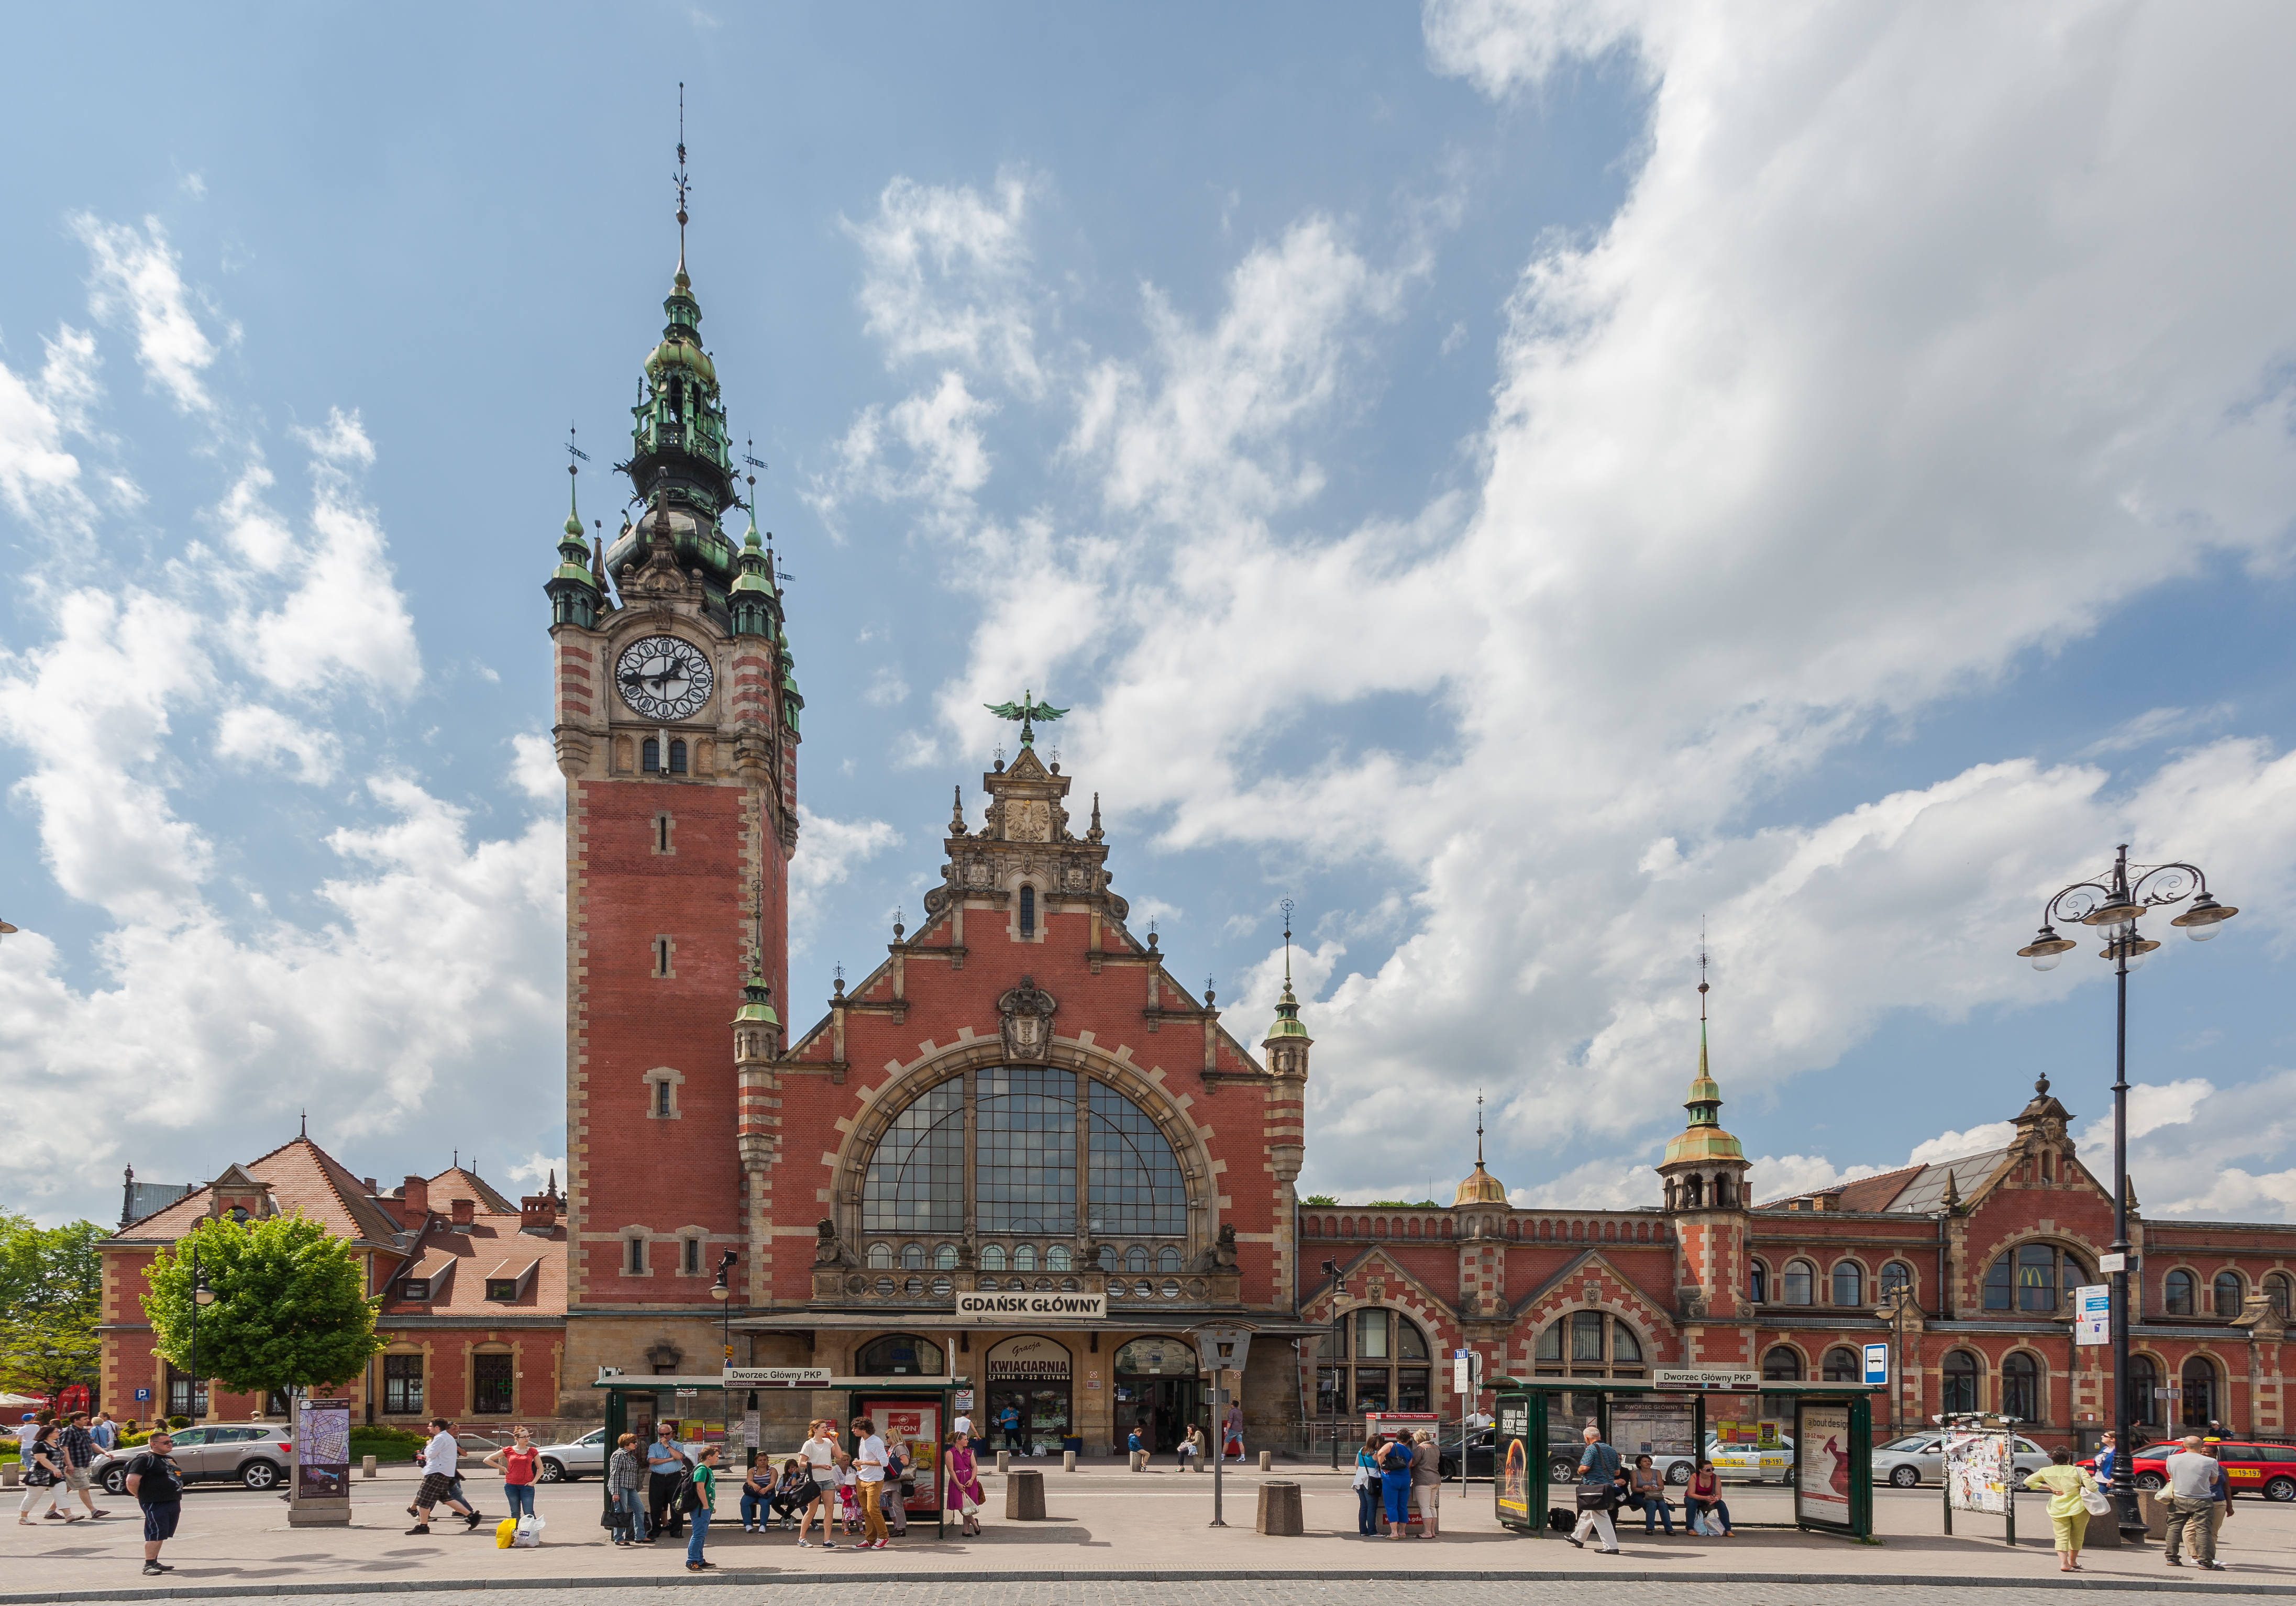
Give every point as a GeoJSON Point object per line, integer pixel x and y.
{"type": "Point", "coordinates": [238, 1214]}
{"type": "Point", "coordinates": [502, 1289]}
{"type": "Point", "coordinates": [415, 1288]}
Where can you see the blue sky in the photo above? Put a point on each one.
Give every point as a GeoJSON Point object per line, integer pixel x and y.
{"type": "Point", "coordinates": [1519, 479]}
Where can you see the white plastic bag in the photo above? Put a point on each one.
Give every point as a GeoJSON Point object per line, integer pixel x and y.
{"type": "Point", "coordinates": [527, 1533]}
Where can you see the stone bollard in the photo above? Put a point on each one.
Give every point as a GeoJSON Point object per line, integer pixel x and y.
{"type": "Point", "coordinates": [1137, 1460]}
{"type": "Point", "coordinates": [2155, 1507]}
{"type": "Point", "coordinates": [8, 1475]}
{"type": "Point", "coordinates": [1024, 1496]}
{"type": "Point", "coordinates": [366, 1466]}
{"type": "Point", "coordinates": [1068, 1460]}
{"type": "Point", "coordinates": [1004, 1462]}
{"type": "Point", "coordinates": [1279, 1509]}
{"type": "Point", "coordinates": [1268, 1461]}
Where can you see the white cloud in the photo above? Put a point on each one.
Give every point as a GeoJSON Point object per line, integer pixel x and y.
{"type": "Point", "coordinates": [37, 476]}
{"type": "Point", "coordinates": [265, 736]}
{"type": "Point", "coordinates": [534, 767]}
{"type": "Point", "coordinates": [947, 276]}
{"type": "Point", "coordinates": [539, 1170]}
{"type": "Point", "coordinates": [827, 851]}
{"type": "Point", "coordinates": [139, 275]}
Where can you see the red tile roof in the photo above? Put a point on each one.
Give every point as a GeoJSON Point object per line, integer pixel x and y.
{"type": "Point", "coordinates": [493, 1247]}
{"type": "Point", "coordinates": [297, 1176]}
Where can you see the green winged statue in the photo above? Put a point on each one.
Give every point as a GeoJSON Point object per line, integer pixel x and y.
{"type": "Point", "coordinates": [1027, 711]}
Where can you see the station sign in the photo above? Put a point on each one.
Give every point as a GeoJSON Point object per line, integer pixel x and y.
{"type": "Point", "coordinates": [1735, 1379]}
{"type": "Point", "coordinates": [777, 1377]}
{"type": "Point", "coordinates": [1089, 1307]}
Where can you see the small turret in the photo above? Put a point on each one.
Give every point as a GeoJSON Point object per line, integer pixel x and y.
{"type": "Point", "coordinates": [573, 585]}
{"type": "Point", "coordinates": [1287, 1042]}
{"type": "Point", "coordinates": [1705, 1167]}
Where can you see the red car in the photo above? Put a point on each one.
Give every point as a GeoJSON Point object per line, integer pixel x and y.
{"type": "Point", "coordinates": [2268, 1470]}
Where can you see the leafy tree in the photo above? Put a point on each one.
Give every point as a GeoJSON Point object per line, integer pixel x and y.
{"type": "Point", "coordinates": [51, 1295]}
{"type": "Point", "coordinates": [1322, 1200]}
{"type": "Point", "coordinates": [290, 1309]}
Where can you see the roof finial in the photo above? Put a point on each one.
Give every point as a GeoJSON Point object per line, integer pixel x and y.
{"type": "Point", "coordinates": [305, 1131]}
{"type": "Point", "coordinates": [458, 1159]}
{"type": "Point", "coordinates": [681, 183]}
{"type": "Point", "coordinates": [1479, 1128]}
{"type": "Point", "coordinates": [1287, 968]}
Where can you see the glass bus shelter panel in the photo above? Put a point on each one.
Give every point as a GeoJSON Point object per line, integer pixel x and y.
{"type": "Point", "coordinates": [1834, 1464]}
{"type": "Point", "coordinates": [1569, 1416]}
{"type": "Point", "coordinates": [1518, 1489]}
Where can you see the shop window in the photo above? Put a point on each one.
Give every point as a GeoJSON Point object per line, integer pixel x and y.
{"type": "Point", "coordinates": [1758, 1282]}
{"type": "Point", "coordinates": [491, 1384]}
{"type": "Point", "coordinates": [1331, 1389]}
{"type": "Point", "coordinates": [2199, 1382]}
{"type": "Point", "coordinates": [1411, 1388]}
{"type": "Point", "coordinates": [183, 1398]}
{"type": "Point", "coordinates": [2021, 1387]}
{"type": "Point", "coordinates": [2276, 1291]}
{"type": "Point", "coordinates": [1371, 1390]}
{"type": "Point", "coordinates": [1849, 1283]}
{"type": "Point", "coordinates": [1781, 1365]}
{"type": "Point", "coordinates": [880, 1259]}
{"type": "Point", "coordinates": [1897, 1277]}
{"type": "Point", "coordinates": [945, 1258]}
{"type": "Point", "coordinates": [903, 1355]}
{"type": "Point", "coordinates": [2028, 1278]}
{"type": "Point", "coordinates": [1797, 1286]}
{"type": "Point", "coordinates": [2179, 1294]}
{"type": "Point", "coordinates": [2230, 1294]}
{"type": "Point", "coordinates": [401, 1385]}
{"type": "Point", "coordinates": [1839, 1367]}
{"type": "Point", "coordinates": [1958, 1380]}
{"type": "Point", "coordinates": [2143, 1383]}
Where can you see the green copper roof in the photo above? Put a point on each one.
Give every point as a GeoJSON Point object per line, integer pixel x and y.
{"type": "Point", "coordinates": [1287, 1017]}
{"type": "Point", "coordinates": [1703, 1138]}
{"type": "Point", "coordinates": [757, 1008]}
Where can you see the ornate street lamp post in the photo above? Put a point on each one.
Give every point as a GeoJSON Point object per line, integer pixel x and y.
{"type": "Point", "coordinates": [722, 1291]}
{"type": "Point", "coordinates": [2112, 904]}
{"type": "Point", "coordinates": [202, 1294]}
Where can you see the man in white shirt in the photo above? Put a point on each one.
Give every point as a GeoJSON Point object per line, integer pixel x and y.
{"type": "Point", "coordinates": [869, 1469]}
{"type": "Point", "coordinates": [2192, 1504]}
{"type": "Point", "coordinates": [441, 1455]}
{"type": "Point", "coordinates": [28, 1430]}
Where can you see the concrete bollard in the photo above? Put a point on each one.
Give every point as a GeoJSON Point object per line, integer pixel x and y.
{"type": "Point", "coordinates": [9, 1478]}
{"type": "Point", "coordinates": [1134, 1459]}
{"type": "Point", "coordinates": [1004, 1461]}
{"type": "Point", "coordinates": [1279, 1509]}
{"type": "Point", "coordinates": [1068, 1460]}
{"type": "Point", "coordinates": [1268, 1461]}
{"type": "Point", "coordinates": [366, 1466]}
{"type": "Point", "coordinates": [1024, 1496]}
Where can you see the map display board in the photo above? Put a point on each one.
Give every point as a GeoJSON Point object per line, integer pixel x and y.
{"type": "Point", "coordinates": [322, 1450]}
{"type": "Point", "coordinates": [1656, 1427]}
{"type": "Point", "coordinates": [1978, 1470]}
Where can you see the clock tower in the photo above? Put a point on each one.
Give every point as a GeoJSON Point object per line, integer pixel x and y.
{"type": "Point", "coordinates": [676, 729]}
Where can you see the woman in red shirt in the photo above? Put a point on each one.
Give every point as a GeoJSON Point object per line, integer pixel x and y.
{"type": "Point", "coordinates": [518, 1461]}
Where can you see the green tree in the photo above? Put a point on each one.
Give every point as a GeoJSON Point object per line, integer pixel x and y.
{"type": "Point", "coordinates": [51, 1293]}
{"type": "Point", "coordinates": [290, 1311]}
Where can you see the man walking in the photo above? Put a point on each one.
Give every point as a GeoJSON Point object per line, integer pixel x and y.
{"type": "Point", "coordinates": [869, 1471]}
{"type": "Point", "coordinates": [2192, 1504]}
{"type": "Point", "coordinates": [157, 1482]}
{"type": "Point", "coordinates": [440, 1459]}
{"type": "Point", "coordinates": [665, 1467]}
{"type": "Point", "coordinates": [1598, 1470]}
{"type": "Point", "coordinates": [79, 1453]}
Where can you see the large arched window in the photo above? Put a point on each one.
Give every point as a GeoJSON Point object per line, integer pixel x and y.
{"type": "Point", "coordinates": [1032, 1130]}
{"type": "Point", "coordinates": [1894, 1276]}
{"type": "Point", "coordinates": [1849, 1283]}
{"type": "Point", "coordinates": [2021, 1387]}
{"type": "Point", "coordinates": [1782, 1365]}
{"type": "Point", "coordinates": [2231, 1294]}
{"type": "Point", "coordinates": [1841, 1366]}
{"type": "Point", "coordinates": [2178, 1294]}
{"type": "Point", "coordinates": [2199, 1381]}
{"type": "Point", "coordinates": [2030, 1278]}
{"type": "Point", "coordinates": [1958, 1380]}
{"type": "Point", "coordinates": [902, 1355]}
{"type": "Point", "coordinates": [1372, 1360]}
{"type": "Point", "coordinates": [2144, 1378]}
{"type": "Point", "coordinates": [1598, 1345]}
{"type": "Point", "coordinates": [2277, 1290]}
{"type": "Point", "coordinates": [1799, 1285]}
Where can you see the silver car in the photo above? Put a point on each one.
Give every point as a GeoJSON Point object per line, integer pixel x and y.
{"type": "Point", "coordinates": [254, 1454]}
{"type": "Point", "coordinates": [563, 1463]}
{"type": "Point", "coordinates": [1919, 1458]}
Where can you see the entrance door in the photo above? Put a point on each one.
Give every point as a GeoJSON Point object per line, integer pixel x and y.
{"type": "Point", "coordinates": [1160, 1408]}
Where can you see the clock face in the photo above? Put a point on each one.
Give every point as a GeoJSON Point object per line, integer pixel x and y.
{"type": "Point", "coordinates": [662, 678]}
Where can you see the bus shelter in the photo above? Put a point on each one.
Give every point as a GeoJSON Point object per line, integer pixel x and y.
{"type": "Point", "coordinates": [1538, 1421]}
{"type": "Point", "coordinates": [918, 1412]}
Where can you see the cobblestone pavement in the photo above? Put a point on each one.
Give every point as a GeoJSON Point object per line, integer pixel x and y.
{"type": "Point", "coordinates": [1118, 1591]}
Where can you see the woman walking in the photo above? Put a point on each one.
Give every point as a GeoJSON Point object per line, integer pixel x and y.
{"type": "Point", "coordinates": [821, 1458]}
{"type": "Point", "coordinates": [705, 1503]}
{"type": "Point", "coordinates": [1367, 1493]}
{"type": "Point", "coordinates": [1703, 1500]}
{"type": "Point", "coordinates": [626, 1479]}
{"type": "Point", "coordinates": [2066, 1484]}
{"type": "Point", "coordinates": [43, 1477]}
{"type": "Point", "coordinates": [518, 1460]}
{"type": "Point", "coordinates": [962, 1483]}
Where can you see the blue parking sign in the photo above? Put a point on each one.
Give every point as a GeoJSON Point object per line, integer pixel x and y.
{"type": "Point", "coordinates": [143, 1394]}
{"type": "Point", "coordinates": [1877, 1362]}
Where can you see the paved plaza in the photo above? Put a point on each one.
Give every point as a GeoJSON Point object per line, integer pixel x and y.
{"type": "Point", "coordinates": [1106, 1531]}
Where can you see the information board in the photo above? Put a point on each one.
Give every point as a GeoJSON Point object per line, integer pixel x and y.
{"type": "Point", "coordinates": [2093, 1314]}
{"type": "Point", "coordinates": [1656, 1427]}
{"type": "Point", "coordinates": [322, 1450]}
{"type": "Point", "coordinates": [1978, 1468]}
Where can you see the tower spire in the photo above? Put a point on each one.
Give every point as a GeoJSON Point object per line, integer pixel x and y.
{"type": "Point", "coordinates": [1479, 1128]}
{"type": "Point", "coordinates": [682, 186]}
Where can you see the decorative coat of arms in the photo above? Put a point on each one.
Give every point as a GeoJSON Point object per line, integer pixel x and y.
{"type": "Point", "coordinates": [1027, 1021]}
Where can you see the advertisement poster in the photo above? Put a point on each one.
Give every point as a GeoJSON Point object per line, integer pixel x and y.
{"type": "Point", "coordinates": [322, 1450]}
{"type": "Point", "coordinates": [1822, 1484]}
{"type": "Point", "coordinates": [1514, 1493]}
{"type": "Point", "coordinates": [1977, 1469]}
{"type": "Point", "coordinates": [1656, 1427]}
{"type": "Point", "coordinates": [2093, 1314]}
{"type": "Point", "coordinates": [916, 1425]}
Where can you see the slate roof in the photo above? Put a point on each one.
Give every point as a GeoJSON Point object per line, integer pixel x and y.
{"type": "Point", "coordinates": [297, 1176]}
{"type": "Point", "coordinates": [1909, 1191]}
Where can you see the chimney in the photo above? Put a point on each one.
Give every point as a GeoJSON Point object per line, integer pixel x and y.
{"type": "Point", "coordinates": [537, 1213]}
{"type": "Point", "coordinates": [416, 1194]}
{"type": "Point", "coordinates": [371, 1191]}
{"type": "Point", "coordinates": [465, 1210]}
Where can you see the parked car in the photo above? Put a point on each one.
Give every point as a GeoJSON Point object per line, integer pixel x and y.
{"type": "Point", "coordinates": [563, 1463]}
{"type": "Point", "coordinates": [2268, 1470]}
{"type": "Point", "coordinates": [1562, 1464]}
{"type": "Point", "coordinates": [1919, 1458]}
{"type": "Point", "coordinates": [1480, 1451]}
{"type": "Point", "coordinates": [1741, 1460]}
{"type": "Point", "coordinates": [254, 1454]}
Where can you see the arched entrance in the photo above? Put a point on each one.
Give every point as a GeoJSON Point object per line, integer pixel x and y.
{"type": "Point", "coordinates": [1031, 1409]}
{"type": "Point", "coordinates": [1156, 1392]}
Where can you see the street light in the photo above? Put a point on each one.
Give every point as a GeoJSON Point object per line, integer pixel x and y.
{"type": "Point", "coordinates": [2112, 906]}
{"type": "Point", "coordinates": [722, 1291]}
{"type": "Point", "coordinates": [202, 1294]}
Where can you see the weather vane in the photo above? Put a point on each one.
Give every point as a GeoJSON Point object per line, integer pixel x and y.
{"type": "Point", "coordinates": [1027, 711]}
{"type": "Point", "coordinates": [680, 179]}
{"type": "Point", "coordinates": [755, 462]}
{"type": "Point", "coordinates": [574, 453]}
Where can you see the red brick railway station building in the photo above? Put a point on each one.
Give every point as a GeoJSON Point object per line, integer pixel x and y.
{"type": "Point", "coordinates": [1020, 1100]}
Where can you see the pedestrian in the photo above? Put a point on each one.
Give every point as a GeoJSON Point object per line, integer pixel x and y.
{"type": "Point", "coordinates": [2104, 1459]}
{"type": "Point", "coordinates": [1704, 1502]}
{"type": "Point", "coordinates": [625, 1481]}
{"type": "Point", "coordinates": [1192, 1445]}
{"type": "Point", "coordinates": [518, 1460]}
{"type": "Point", "coordinates": [105, 1431]}
{"type": "Point", "coordinates": [441, 1457]}
{"type": "Point", "coordinates": [1232, 1433]}
{"type": "Point", "coordinates": [697, 1495]}
{"type": "Point", "coordinates": [79, 1448]}
{"type": "Point", "coordinates": [665, 1466]}
{"type": "Point", "coordinates": [27, 1430]}
{"type": "Point", "coordinates": [2223, 1500]}
{"type": "Point", "coordinates": [1427, 1483]}
{"type": "Point", "coordinates": [794, 1493]}
{"type": "Point", "coordinates": [43, 1477]}
{"type": "Point", "coordinates": [1650, 1494]}
{"type": "Point", "coordinates": [869, 1477]}
{"type": "Point", "coordinates": [756, 1497]}
{"type": "Point", "coordinates": [1367, 1487]}
{"type": "Point", "coordinates": [900, 1485]}
{"type": "Point", "coordinates": [157, 1482]}
{"type": "Point", "coordinates": [1009, 1421]}
{"type": "Point", "coordinates": [2068, 1514]}
{"type": "Point", "coordinates": [1132, 1446]}
{"type": "Point", "coordinates": [962, 1481]}
{"type": "Point", "coordinates": [2192, 1500]}
{"type": "Point", "coordinates": [1598, 1468]}
{"type": "Point", "coordinates": [1393, 1459]}
{"type": "Point", "coordinates": [821, 1452]}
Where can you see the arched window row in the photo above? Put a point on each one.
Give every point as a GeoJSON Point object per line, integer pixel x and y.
{"type": "Point", "coordinates": [1588, 1343]}
{"type": "Point", "coordinates": [1537, 1230]}
{"type": "Point", "coordinates": [650, 757]}
{"type": "Point", "coordinates": [1843, 1283]}
{"type": "Point", "coordinates": [2227, 1296]}
{"type": "Point", "coordinates": [1961, 1375]}
{"type": "Point", "coordinates": [1373, 1360]}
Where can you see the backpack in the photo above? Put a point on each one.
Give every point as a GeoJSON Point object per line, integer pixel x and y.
{"type": "Point", "coordinates": [686, 1498]}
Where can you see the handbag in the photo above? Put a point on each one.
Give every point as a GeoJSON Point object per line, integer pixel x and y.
{"type": "Point", "coordinates": [1594, 1497]}
{"type": "Point", "coordinates": [2094, 1501]}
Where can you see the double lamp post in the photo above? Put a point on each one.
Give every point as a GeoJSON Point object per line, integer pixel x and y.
{"type": "Point", "coordinates": [2111, 904]}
